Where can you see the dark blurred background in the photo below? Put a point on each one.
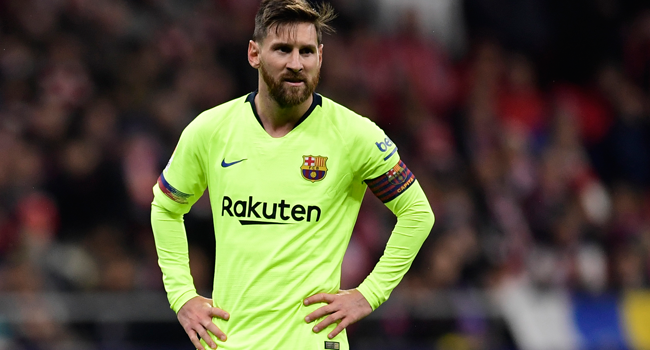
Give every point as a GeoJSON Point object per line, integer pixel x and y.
{"type": "Point", "coordinates": [525, 121]}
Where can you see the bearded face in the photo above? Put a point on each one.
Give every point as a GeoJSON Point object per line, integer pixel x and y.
{"type": "Point", "coordinates": [284, 92]}
{"type": "Point", "coordinates": [288, 60]}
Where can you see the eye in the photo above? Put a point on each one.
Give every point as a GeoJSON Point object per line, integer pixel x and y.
{"type": "Point", "coordinates": [283, 49]}
{"type": "Point", "coordinates": [306, 51]}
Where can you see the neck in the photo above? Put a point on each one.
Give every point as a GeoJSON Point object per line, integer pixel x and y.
{"type": "Point", "coordinates": [277, 120]}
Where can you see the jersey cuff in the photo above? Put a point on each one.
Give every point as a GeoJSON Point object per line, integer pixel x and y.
{"type": "Point", "coordinates": [182, 299]}
{"type": "Point", "coordinates": [372, 299]}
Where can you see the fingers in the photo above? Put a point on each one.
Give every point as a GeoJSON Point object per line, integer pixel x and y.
{"type": "Point", "coordinates": [195, 340]}
{"type": "Point", "coordinates": [320, 298]}
{"type": "Point", "coordinates": [344, 308]}
{"type": "Point", "coordinates": [217, 312]}
{"type": "Point", "coordinates": [320, 312]}
{"type": "Point", "coordinates": [196, 318]}
{"type": "Point", "coordinates": [202, 331]}
{"type": "Point", "coordinates": [339, 328]}
{"type": "Point", "coordinates": [328, 321]}
{"type": "Point", "coordinates": [216, 331]}
{"type": "Point", "coordinates": [206, 338]}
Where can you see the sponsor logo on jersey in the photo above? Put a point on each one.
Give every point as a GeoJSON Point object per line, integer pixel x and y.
{"type": "Point", "coordinates": [313, 168]}
{"type": "Point", "coordinates": [332, 345]}
{"type": "Point", "coordinates": [269, 213]}
{"type": "Point", "coordinates": [386, 145]}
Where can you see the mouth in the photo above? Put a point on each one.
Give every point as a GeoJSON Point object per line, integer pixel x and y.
{"type": "Point", "coordinates": [294, 81]}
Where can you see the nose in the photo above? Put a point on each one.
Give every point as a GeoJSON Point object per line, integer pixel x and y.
{"type": "Point", "coordinates": [294, 63]}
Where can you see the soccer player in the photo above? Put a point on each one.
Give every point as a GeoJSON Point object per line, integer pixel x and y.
{"type": "Point", "coordinates": [286, 171]}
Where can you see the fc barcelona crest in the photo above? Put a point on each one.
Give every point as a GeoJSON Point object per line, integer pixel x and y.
{"type": "Point", "coordinates": [396, 175]}
{"type": "Point", "coordinates": [313, 168]}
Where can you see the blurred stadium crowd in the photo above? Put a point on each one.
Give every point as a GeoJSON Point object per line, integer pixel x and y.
{"type": "Point", "coordinates": [526, 122]}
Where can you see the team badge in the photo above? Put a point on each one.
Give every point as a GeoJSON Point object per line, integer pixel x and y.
{"type": "Point", "coordinates": [313, 168]}
{"type": "Point", "coordinates": [392, 183]}
{"type": "Point", "coordinates": [396, 175]}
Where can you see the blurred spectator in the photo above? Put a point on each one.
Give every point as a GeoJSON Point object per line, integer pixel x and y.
{"type": "Point", "coordinates": [527, 122]}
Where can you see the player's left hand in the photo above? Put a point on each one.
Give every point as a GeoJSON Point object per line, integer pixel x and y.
{"type": "Point", "coordinates": [348, 306]}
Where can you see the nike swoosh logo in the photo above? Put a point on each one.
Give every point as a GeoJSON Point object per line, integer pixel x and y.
{"type": "Point", "coordinates": [225, 165]}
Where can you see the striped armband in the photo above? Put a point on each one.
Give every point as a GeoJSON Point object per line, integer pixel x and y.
{"type": "Point", "coordinates": [390, 185]}
{"type": "Point", "coordinates": [171, 192]}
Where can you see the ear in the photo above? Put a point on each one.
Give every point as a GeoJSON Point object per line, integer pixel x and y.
{"type": "Point", "coordinates": [320, 55]}
{"type": "Point", "coordinates": [254, 54]}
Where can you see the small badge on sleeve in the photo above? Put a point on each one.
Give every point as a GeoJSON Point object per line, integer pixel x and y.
{"type": "Point", "coordinates": [332, 345]}
{"type": "Point", "coordinates": [390, 185]}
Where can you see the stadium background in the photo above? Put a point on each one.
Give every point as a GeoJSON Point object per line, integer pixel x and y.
{"type": "Point", "coordinates": [526, 122]}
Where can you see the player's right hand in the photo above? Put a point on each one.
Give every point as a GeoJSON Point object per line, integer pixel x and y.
{"type": "Point", "coordinates": [196, 318]}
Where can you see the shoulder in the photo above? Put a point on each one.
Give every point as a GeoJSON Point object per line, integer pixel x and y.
{"type": "Point", "coordinates": [223, 112]}
{"type": "Point", "coordinates": [370, 152]}
{"type": "Point", "coordinates": [345, 119]}
{"type": "Point", "coordinates": [210, 121]}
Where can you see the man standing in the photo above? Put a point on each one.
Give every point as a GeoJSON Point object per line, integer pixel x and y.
{"type": "Point", "coordinates": [287, 170]}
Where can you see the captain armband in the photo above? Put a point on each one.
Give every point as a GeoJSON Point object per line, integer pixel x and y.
{"type": "Point", "coordinates": [390, 185]}
{"type": "Point", "coordinates": [171, 192]}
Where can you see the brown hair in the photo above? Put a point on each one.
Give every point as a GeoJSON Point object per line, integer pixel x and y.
{"type": "Point", "coordinates": [275, 13]}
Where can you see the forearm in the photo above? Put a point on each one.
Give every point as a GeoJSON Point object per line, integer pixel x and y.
{"type": "Point", "coordinates": [414, 222]}
{"type": "Point", "coordinates": [173, 257]}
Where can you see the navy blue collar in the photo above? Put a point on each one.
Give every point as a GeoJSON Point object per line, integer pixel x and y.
{"type": "Point", "coordinates": [317, 101]}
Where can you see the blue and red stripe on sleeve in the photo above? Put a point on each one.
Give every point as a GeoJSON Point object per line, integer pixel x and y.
{"type": "Point", "coordinates": [390, 185]}
{"type": "Point", "coordinates": [171, 192]}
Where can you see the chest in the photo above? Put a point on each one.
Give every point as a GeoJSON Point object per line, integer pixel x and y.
{"type": "Point", "coordinates": [309, 164]}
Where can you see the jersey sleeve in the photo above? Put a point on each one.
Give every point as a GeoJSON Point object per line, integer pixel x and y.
{"type": "Point", "coordinates": [184, 179]}
{"type": "Point", "coordinates": [414, 222]}
{"type": "Point", "coordinates": [179, 186]}
{"type": "Point", "coordinates": [374, 153]}
{"type": "Point", "coordinates": [380, 166]}
{"type": "Point", "coordinates": [395, 185]}
{"type": "Point", "coordinates": [173, 257]}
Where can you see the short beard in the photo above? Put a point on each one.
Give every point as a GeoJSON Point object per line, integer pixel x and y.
{"type": "Point", "coordinates": [289, 96]}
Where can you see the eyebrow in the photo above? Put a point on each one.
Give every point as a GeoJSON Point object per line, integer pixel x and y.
{"type": "Point", "coordinates": [285, 44]}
